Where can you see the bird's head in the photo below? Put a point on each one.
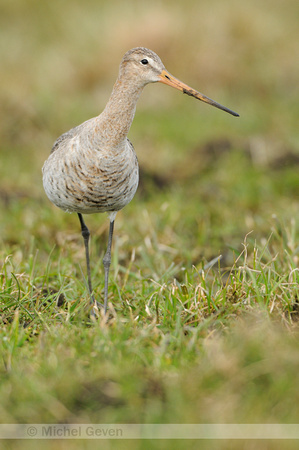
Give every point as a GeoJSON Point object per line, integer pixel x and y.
{"type": "Point", "coordinates": [147, 67]}
{"type": "Point", "coordinates": [143, 64]}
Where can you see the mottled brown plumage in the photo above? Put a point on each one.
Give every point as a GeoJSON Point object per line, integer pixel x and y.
{"type": "Point", "coordinates": [93, 167]}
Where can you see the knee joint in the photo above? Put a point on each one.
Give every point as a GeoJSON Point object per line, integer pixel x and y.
{"type": "Point", "coordinates": [85, 233]}
{"type": "Point", "coordinates": [107, 261]}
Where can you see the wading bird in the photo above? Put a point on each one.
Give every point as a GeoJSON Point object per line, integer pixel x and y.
{"type": "Point", "coordinates": [93, 167]}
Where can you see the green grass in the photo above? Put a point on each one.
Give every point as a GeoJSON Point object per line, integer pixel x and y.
{"type": "Point", "coordinates": [203, 295]}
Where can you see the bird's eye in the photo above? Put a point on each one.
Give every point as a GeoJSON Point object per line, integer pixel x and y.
{"type": "Point", "coordinates": [144, 61]}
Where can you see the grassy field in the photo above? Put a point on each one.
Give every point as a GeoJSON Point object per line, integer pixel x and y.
{"type": "Point", "coordinates": [203, 312]}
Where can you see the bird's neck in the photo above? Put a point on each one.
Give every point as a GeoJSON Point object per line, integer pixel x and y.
{"type": "Point", "coordinates": [116, 119]}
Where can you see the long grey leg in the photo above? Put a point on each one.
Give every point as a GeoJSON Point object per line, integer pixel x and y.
{"type": "Point", "coordinates": [85, 233]}
{"type": "Point", "coordinates": [107, 262]}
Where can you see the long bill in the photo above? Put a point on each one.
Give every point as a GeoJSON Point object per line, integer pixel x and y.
{"type": "Point", "coordinates": [168, 79]}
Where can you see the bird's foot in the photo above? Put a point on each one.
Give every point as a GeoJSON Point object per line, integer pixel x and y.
{"type": "Point", "coordinates": [95, 309]}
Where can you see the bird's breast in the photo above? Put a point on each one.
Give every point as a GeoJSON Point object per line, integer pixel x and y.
{"type": "Point", "coordinates": [83, 179]}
